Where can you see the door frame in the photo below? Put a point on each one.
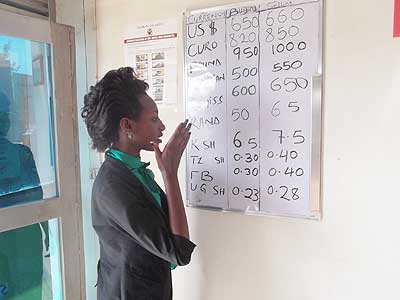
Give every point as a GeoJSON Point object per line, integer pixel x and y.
{"type": "Point", "coordinates": [67, 207]}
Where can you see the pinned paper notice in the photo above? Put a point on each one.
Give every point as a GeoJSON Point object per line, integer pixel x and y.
{"type": "Point", "coordinates": [151, 49]}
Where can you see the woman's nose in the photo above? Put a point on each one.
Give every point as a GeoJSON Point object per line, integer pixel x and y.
{"type": "Point", "coordinates": [162, 126]}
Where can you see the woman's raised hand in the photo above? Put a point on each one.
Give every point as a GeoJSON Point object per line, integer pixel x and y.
{"type": "Point", "coordinates": [168, 160]}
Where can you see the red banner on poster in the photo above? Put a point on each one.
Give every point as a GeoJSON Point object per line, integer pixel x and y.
{"type": "Point", "coordinates": [396, 23]}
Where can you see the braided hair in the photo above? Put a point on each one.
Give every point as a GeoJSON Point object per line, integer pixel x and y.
{"type": "Point", "coordinates": [114, 97]}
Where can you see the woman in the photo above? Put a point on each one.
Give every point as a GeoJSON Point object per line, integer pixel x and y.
{"type": "Point", "coordinates": [143, 232]}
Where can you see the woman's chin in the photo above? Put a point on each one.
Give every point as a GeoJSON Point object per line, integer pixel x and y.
{"type": "Point", "coordinates": [148, 147]}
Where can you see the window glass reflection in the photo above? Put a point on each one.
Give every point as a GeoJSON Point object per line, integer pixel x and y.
{"type": "Point", "coordinates": [30, 266]}
{"type": "Point", "coordinates": [27, 157]}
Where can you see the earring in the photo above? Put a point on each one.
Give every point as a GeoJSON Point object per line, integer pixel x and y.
{"type": "Point", "coordinates": [130, 135]}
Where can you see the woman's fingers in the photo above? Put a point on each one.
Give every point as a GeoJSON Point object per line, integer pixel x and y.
{"type": "Point", "coordinates": [180, 133]}
{"type": "Point", "coordinates": [184, 144]}
{"type": "Point", "coordinates": [159, 156]}
{"type": "Point", "coordinates": [181, 127]}
{"type": "Point", "coordinates": [189, 126]}
{"type": "Point", "coordinates": [184, 138]}
{"type": "Point", "coordinates": [157, 150]}
{"type": "Point", "coordinates": [171, 156]}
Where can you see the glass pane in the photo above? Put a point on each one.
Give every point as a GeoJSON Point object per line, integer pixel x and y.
{"type": "Point", "coordinates": [30, 265]}
{"type": "Point", "coordinates": [27, 156]}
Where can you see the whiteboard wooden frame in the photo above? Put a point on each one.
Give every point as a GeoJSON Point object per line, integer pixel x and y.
{"type": "Point", "coordinates": [316, 127]}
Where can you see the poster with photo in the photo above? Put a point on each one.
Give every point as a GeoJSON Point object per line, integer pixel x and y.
{"type": "Point", "coordinates": [151, 49]}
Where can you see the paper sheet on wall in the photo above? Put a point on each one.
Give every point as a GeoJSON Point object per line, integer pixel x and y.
{"type": "Point", "coordinates": [150, 48]}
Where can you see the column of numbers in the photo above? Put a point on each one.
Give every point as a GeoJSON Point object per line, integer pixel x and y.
{"type": "Point", "coordinates": [243, 52]}
{"type": "Point", "coordinates": [287, 86]}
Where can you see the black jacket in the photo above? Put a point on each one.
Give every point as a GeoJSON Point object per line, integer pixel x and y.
{"type": "Point", "coordinates": [136, 244]}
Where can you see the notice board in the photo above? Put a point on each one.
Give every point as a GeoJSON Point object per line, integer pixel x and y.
{"type": "Point", "coordinates": [253, 76]}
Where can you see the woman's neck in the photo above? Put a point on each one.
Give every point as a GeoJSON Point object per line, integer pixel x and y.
{"type": "Point", "coordinates": [134, 151]}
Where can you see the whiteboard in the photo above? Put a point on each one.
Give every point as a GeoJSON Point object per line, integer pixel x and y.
{"type": "Point", "coordinates": [253, 74]}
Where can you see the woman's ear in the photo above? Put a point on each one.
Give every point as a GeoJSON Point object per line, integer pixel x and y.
{"type": "Point", "coordinates": [127, 125]}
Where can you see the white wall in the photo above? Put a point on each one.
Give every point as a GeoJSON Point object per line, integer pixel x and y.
{"type": "Point", "coordinates": [81, 15]}
{"type": "Point", "coordinates": [354, 252]}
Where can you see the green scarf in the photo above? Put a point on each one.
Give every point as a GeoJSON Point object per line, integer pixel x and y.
{"type": "Point", "coordinates": [139, 169]}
